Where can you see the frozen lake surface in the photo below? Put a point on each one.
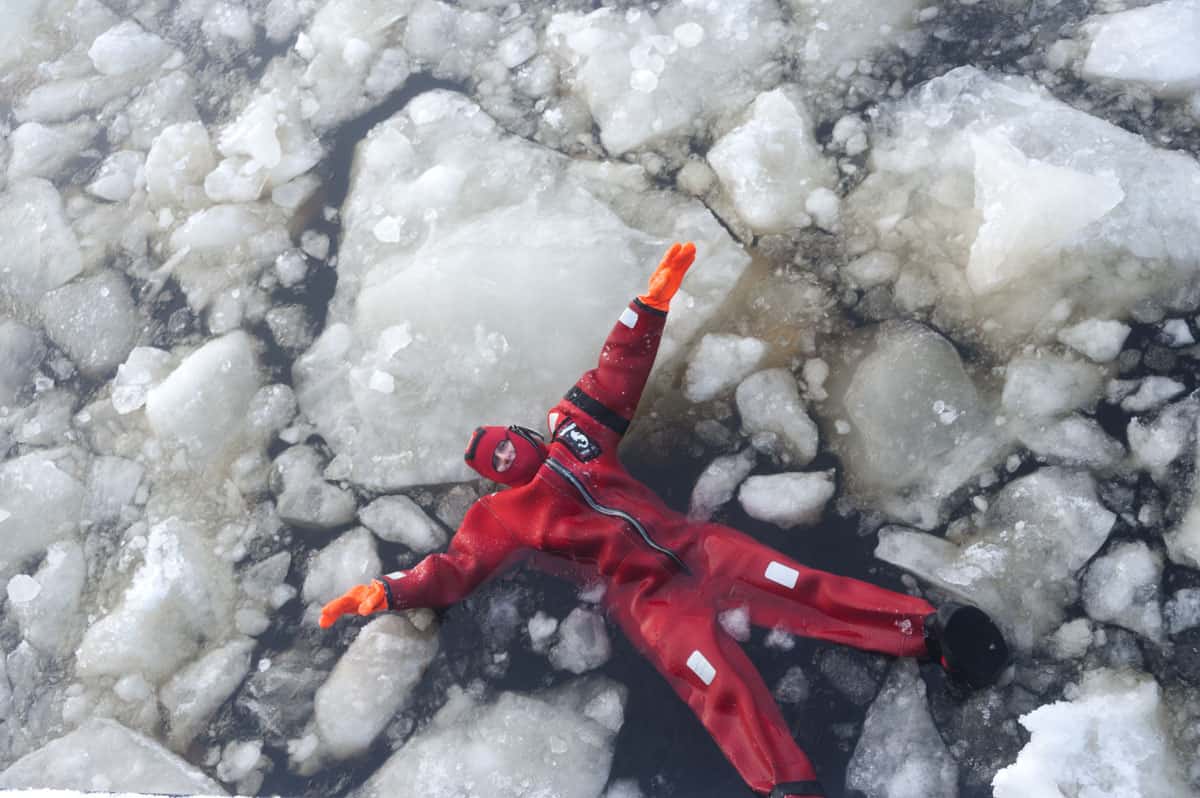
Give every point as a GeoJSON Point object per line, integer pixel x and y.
{"type": "Point", "coordinates": [265, 265]}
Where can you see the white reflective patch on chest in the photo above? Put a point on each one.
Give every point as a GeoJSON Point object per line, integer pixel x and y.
{"type": "Point", "coordinates": [702, 667]}
{"type": "Point", "coordinates": [780, 574]}
{"type": "Point", "coordinates": [629, 318]}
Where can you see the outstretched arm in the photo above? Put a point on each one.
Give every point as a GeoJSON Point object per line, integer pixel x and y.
{"type": "Point", "coordinates": [610, 393]}
{"type": "Point", "coordinates": [481, 548]}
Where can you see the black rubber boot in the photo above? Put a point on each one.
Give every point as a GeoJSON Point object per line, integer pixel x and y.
{"type": "Point", "coordinates": [967, 644]}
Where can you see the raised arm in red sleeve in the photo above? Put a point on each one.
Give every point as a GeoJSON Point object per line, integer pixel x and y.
{"type": "Point", "coordinates": [481, 548]}
{"type": "Point", "coordinates": [610, 393]}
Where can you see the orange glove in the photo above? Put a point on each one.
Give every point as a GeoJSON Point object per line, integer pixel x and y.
{"type": "Point", "coordinates": [669, 274]}
{"type": "Point", "coordinates": [363, 599]}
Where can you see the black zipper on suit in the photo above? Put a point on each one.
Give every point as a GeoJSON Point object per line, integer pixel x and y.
{"type": "Point", "coordinates": [613, 512]}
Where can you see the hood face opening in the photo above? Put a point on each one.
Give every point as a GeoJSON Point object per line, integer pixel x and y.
{"type": "Point", "coordinates": [508, 455]}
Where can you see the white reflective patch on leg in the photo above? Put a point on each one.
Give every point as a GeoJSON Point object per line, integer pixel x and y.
{"type": "Point", "coordinates": [702, 667]}
{"type": "Point", "coordinates": [629, 318]}
{"type": "Point", "coordinates": [780, 574]}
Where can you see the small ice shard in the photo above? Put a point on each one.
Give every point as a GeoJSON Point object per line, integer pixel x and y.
{"type": "Point", "coordinates": [718, 482]}
{"type": "Point", "coordinates": [787, 500]}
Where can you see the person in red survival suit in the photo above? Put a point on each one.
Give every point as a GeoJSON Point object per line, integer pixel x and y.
{"type": "Point", "coordinates": [668, 577]}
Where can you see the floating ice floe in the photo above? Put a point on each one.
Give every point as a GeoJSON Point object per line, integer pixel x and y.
{"type": "Point", "coordinates": [398, 519]}
{"type": "Point", "coordinates": [900, 754]}
{"type": "Point", "coordinates": [917, 426]}
{"type": "Point", "coordinates": [774, 417]}
{"type": "Point", "coordinates": [558, 742]}
{"type": "Point", "coordinates": [718, 363]}
{"type": "Point", "coordinates": [178, 600]}
{"type": "Point", "coordinates": [1122, 587]}
{"type": "Point", "coordinates": [1154, 47]}
{"type": "Point", "coordinates": [1020, 565]}
{"type": "Point", "coordinates": [718, 483]}
{"type": "Point", "coordinates": [787, 500]}
{"type": "Point", "coordinates": [1013, 213]}
{"type": "Point", "coordinates": [653, 75]}
{"type": "Point", "coordinates": [104, 756]}
{"type": "Point", "coordinates": [372, 681]}
{"type": "Point", "coordinates": [1109, 738]}
{"type": "Point", "coordinates": [772, 166]}
{"type": "Point", "coordinates": [503, 247]}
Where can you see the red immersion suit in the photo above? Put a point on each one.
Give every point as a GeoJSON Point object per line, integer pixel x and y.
{"type": "Point", "coordinates": [667, 577]}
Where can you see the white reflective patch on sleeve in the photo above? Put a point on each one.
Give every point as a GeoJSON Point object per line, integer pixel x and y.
{"type": "Point", "coordinates": [629, 318]}
{"type": "Point", "coordinates": [780, 574]}
{"type": "Point", "coordinates": [702, 667]}
{"type": "Point", "coordinates": [396, 575]}
{"type": "Point", "coordinates": [552, 422]}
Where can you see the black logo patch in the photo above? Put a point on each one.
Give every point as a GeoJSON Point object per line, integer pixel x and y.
{"type": "Point", "coordinates": [578, 442]}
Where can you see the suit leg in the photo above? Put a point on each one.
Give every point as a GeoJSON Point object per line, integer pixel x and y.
{"type": "Point", "coordinates": [782, 593]}
{"type": "Point", "coordinates": [710, 672]}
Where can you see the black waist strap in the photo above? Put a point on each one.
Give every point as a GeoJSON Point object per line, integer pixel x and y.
{"type": "Point", "coordinates": [594, 408]}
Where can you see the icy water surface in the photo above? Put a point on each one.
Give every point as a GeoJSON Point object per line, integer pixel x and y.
{"type": "Point", "coordinates": [265, 265]}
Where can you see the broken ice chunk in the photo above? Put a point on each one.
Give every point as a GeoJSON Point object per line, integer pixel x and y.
{"type": "Point", "coordinates": [106, 756]}
{"type": "Point", "coordinates": [1151, 393]}
{"type": "Point", "coordinates": [720, 362]}
{"type": "Point", "coordinates": [1122, 588]}
{"type": "Point", "coordinates": [1018, 224]}
{"type": "Point", "coordinates": [201, 404]}
{"type": "Point", "coordinates": [774, 416]}
{"type": "Point", "coordinates": [349, 560]}
{"type": "Point", "coordinates": [1099, 339]}
{"type": "Point", "coordinates": [40, 250]}
{"type": "Point", "coordinates": [916, 423]}
{"type": "Point", "coordinates": [398, 519]}
{"type": "Point", "coordinates": [1047, 386]}
{"type": "Point", "coordinates": [193, 695]}
{"type": "Point", "coordinates": [119, 176]}
{"type": "Point", "coordinates": [41, 502]}
{"type": "Point", "coordinates": [143, 369]}
{"type": "Point", "coordinates": [787, 500]}
{"type": "Point", "coordinates": [371, 682]}
{"type": "Point", "coordinates": [900, 753]}
{"type": "Point", "coordinates": [1153, 47]}
{"type": "Point", "coordinates": [718, 482]}
{"type": "Point", "coordinates": [306, 500]}
{"type": "Point", "coordinates": [93, 320]}
{"type": "Point", "coordinates": [518, 745]}
{"type": "Point", "coordinates": [180, 596]}
{"type": "Point", "coordinates": [1020, 565]}
{"type": "Point", "coordinates": [771, 165]}
{"type": "Point", "coordinates": [127, 47]}
{"type": "Point", "coordinates": [582, 642]}
{"type": "Point", "coordinates": [1108, 739]}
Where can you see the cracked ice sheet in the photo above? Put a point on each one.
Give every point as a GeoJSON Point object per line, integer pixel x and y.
{"type": "Point", "coordinates": [1013, 213]}
{"type": "Point", "coordinates": [469, 256]}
